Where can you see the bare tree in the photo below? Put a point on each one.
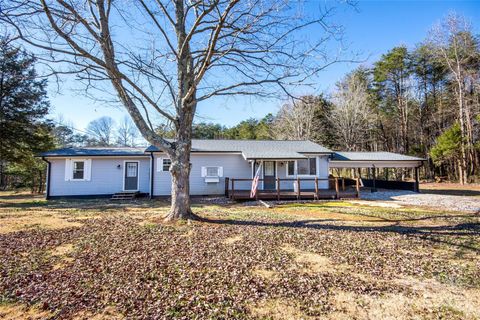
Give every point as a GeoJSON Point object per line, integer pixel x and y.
{"type": "Point", "coordinates": [351, 115]}
{"type": "Point", "coordinates": [127, 133]}
{"type": "Point", "coordinates": [296, 120]}
{"type": "Point", "coordinates": [456, 47]}
{"type": "Point", "coordinates": [101, 131]}
{"type": "Point", "coordinates": [163, 57]}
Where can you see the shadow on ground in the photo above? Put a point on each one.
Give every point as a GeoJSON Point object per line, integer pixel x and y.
{"type": "Point", "coordinates": [453, 192]}
{"type": "Point", "coordinates": [431, 233]}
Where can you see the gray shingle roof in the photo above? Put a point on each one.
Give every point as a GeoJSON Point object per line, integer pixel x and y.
{"type": "Point", "coordinates": [373, 156]}
{"type": "Point", "coordinates": [105, 151]}
{"type": "Point", "coordinates": [258, 149]}
{"type": "Point", "coordinates": [251, 149]}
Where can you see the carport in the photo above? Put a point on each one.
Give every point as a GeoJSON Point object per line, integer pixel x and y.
{"type": "Point", "coordinates": [378, 160]}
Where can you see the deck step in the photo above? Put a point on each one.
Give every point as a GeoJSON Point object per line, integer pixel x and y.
{"type": "Point", "coordinates": [125, 195]}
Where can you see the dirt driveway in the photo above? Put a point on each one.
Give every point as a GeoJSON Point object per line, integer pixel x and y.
{"type": "Point", "coordinates": [452, 197]}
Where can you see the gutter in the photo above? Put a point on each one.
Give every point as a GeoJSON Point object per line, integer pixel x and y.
{"type": "Point", "coordinates": [49, 170]}
{"type": "Point", "coordinates": [152, 165]}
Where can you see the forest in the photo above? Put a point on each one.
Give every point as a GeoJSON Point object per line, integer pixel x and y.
{"type": "Point", "coordinates": [422, 100]}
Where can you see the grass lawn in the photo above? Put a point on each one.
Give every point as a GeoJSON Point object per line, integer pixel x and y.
{"type": "Point", "coordinates": [456, 189]}
{"type": "Point", "coordinates": [94, 259]}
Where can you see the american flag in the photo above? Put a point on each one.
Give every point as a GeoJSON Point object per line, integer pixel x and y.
{"type": "Point", "coordinates": [253, 192]}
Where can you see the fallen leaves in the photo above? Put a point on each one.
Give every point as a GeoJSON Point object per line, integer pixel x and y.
{"type": "Point", "coordinates": [244, 262]}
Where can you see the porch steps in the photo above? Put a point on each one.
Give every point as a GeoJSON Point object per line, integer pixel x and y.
{"type": "Point", "coordinates": [125, 195]}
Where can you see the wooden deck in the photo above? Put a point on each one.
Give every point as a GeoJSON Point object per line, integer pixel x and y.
{"type": "Point", "coordinates": [341, 190]}
{"type": "Point", "coordinates": [291, 195]}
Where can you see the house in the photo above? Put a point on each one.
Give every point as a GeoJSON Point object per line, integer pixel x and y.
{"type": "Point", "coordinates": [218, 167]}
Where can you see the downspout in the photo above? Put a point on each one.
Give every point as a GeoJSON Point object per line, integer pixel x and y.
{"type": "Point", "coordinates": [152, 165]}
{"type": "Point", "coordinates": [253, 168]}
{"type": "Point", "coordinates": [49, 167]}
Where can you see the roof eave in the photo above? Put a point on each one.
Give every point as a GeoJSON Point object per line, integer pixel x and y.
{"type": "Point", "coordinates": [89, 155]}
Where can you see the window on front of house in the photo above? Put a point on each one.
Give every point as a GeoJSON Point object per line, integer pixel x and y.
{"type": "Point", "coordinates": [166, 163]}
{"type": "Point", "coordinates": [313, 166]}
{"type": "Point", "coordinates": [291, 168]}
{"type": "Point", "coordinates": [304, 167]}
{"type": "Point", "coordinates": [78, 170]}
{"type": "Point", "coordinates": [212, 172]}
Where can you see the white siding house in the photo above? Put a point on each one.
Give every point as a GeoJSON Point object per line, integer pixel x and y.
{"type": "Point", "coordinates": [102, 176]}
{"type": "Point", "coordinates": [86, 172]}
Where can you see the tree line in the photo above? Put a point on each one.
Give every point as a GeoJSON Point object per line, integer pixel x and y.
{"type": "Point", "coordinates": [101, 132]}
{"type": "Point", "coordinates": [422, 101]}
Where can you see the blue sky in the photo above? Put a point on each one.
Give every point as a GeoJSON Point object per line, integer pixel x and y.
{"type": "Point", "coordinates": [371, 30]}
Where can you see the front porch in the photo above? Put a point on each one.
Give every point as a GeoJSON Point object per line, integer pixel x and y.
{"type": "Point", "coordinates": [338, 188]}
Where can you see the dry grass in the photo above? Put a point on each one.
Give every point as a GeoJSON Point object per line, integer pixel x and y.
{"type": "Point", "coordinates": [266, 274]}
{"type": "Point", "coordinates": [311, 262]}
{"type": "Point", "coordinates": [323, 260]}
{"type": "Point", "coordinates": [313, 213]}
{"type": "Point", "coordinates": [381, 204]}
{"type": "Point", "coordinates": [232, 240]}
{"type": "Point", "coordinates": [62, 252]}
{"type": "Point", "coordinates": [19, 312]}
{"type": "Point", "coordinates": [13, 223]}
{"type": "Point", "coordinates": [278, 309]}
{"type": "Point", "coordinates": [108, 313]}
{"type": "Point", "coordinates": [435, 302]}
{"type": "Point", "coordinates": [456, 189]}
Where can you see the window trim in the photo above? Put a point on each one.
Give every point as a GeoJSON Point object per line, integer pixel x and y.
{"type": "Point", "coordinates": [295, 168]}
{"type": "Point", "coordinates": [163, 165]}
{"type": "Point", "coordinates": [73, 161]}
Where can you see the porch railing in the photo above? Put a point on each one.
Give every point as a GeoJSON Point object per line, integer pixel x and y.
{"type": "Point", "coordinates": [340, 185]}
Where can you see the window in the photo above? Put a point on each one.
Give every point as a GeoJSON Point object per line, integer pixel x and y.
{"type": "Point", "coordinates": [313, 166]}
{"type": "Point", "coordinates": [291, 168]}
{"type": "Point", "coordinates": [166, 163]}
{"type": "Point", "coordinates": [212, 172]}
{"type": "Point", "coordinates": [304, 167]}
{"type": "Point", "coordinates": [78, 170]}
{"type": "Point", "coordinates": [269, 168]}
{"type": "Point", "coordinates": [132, 169]}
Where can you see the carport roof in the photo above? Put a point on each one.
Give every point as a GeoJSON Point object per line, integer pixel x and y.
{"type": "Point", "coordinates": [373, 156]}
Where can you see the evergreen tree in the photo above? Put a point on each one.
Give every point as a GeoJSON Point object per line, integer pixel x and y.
{"type": "Point", "coordinates": [23, 107]}
{"type": "Point", "coordinates": [391, 76]}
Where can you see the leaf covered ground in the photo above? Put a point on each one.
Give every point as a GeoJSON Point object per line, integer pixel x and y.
{"type": "Point", "coordinates": [94, 259]}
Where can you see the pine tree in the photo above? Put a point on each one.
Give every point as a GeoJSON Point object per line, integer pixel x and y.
{"type": "Point", "coordinates": [23, 107]}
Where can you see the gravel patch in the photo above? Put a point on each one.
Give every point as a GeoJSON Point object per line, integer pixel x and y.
{"type": "Point", "coordinates": [446, 202]}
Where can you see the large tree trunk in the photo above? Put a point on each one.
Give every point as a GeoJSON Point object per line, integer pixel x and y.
{"type": "Point", "coordinates": [180, 171]}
